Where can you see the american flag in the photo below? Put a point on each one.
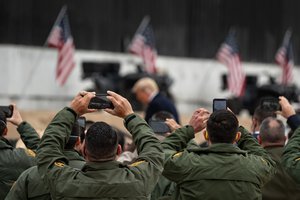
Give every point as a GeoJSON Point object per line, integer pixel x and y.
{"type": "Point", "coordinates": [60, 37]}
{"type": "Point", "coordinates": [228, 54]}
{"type": "Point", "coordinates": [285, 58]}
{"type": "Point", "coordinates": [143, 45]}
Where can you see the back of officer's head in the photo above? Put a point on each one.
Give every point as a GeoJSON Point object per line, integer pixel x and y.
{"type": "Point", "coordinates": [262, 113]}
{"type": "Point", "coordinates": [222, 127]}
{"type": "Point", "coordinates": [272, 131]}
{"type": "Point", "coordinates": [101, 142]}
{"type": "Point", "coordinates": [2, 123]}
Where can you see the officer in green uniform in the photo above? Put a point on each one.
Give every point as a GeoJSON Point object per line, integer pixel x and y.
{"type": "Point", "coordinates": [30, 185]}
{"type": "Point", "coordinates": [291, 154]}
{"type": "Point", "coordinates": [272, 139]}
{"type": "Point", "coordinates": [222, 170]}
{"type": "Point", "coordinates": [102, 177]}
{"type": "Point", "coordinates": [13, 161]}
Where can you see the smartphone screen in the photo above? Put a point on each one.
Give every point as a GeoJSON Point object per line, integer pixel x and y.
{"type": "Point", "coordinates": [81, 122]}
{"type": "Point", "coordinates": [219, 104]}
{"type": "Point", "coordinates": [8, 110]}
{"type": "Point", "coordinates": [270, 103]}
{"type": "Point", "coordinates": [100, 101]}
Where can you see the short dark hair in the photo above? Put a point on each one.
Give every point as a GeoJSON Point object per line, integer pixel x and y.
{"type": "Point", "coordinates": [101, 141]}
{"type": "Point", "coordinates": [222, 126]}
{"type": "Point", "coordinates": [261, 113]}
{"type": "Point", "coordinates": [272, 130]}
{"type": "Point", "coordinates": [2, 122]}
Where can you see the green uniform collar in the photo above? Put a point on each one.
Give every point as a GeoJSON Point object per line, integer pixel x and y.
{"type": "Point", "coordinates": [5, 144]}
{"type": "Point", "coordinates": [217, 148]}
{"type": "Point", "coordinates": [73, 155]}
{"type": "Point", "coordinates": [95, 166]}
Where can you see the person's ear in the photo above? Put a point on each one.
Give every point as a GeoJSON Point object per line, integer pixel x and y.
{"type": "Point", "coordinates": [205, 134]}
{"type": "Point", "coordinates": [119, 150]}
{"type": "Point", "coordinates": [83, 149]}
{"type": "Point", "coordinates": [237, 136]}
{"type": "Point", "coordinates": [254, 124]}
{"type": "Point", "coordinates": [259, 139]}
{"type": "Point", "coordinates": [77, 141]}
{"type": "Point", "coordinates": [5, 131]}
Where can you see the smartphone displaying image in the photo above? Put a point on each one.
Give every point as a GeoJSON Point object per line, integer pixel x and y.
{"type": "Point", "coordinates": [270, 103]}
{"type": "Point", "coordinates": [100, 101]}
{"type": "Point", "coordinates": [219, 104]}
{"type": "Point", "coordinates": [159, 127]}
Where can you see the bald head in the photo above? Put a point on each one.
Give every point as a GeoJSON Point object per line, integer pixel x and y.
{"type": "Point", "coordinates": [272, 131]}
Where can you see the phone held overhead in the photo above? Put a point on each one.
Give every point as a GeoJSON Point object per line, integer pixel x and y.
{"type": "Point", "coordinates": [100, 101]}
{"type": "Point", "coordinates": [8, 110]}
{"type": "Point", "coordinates": [219, 104]}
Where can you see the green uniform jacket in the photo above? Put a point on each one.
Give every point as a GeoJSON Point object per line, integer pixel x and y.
{"type": "Point", "coordinates": [30, 185]}
{"type": "Point", "coordinates": [291, 156]}
{"type": "Point", "coordinates": [281, 186]}
{"type": "Point", "coordinates": [221, 171]}
{"type": "Point", "coordinates": [13, 161]}
{"type": "Point", "coordinates": [99, 180]}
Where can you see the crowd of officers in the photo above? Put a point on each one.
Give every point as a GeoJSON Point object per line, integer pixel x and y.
{"type": "Point", "coordinates": [232, 164]}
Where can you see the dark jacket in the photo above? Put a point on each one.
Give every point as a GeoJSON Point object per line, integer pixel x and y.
{"type": "Point", "coordinates": [281, 186]}
{"type": "Point", "coordinates": [161, 103]}
{"type": "Point", "coordinates": [30, 185]}
{"type": "Point", "coordinates": [13, 161]}
{"type": "Point", "coordinates": [99, 180]}
{"type": "Point", "coordinates": [221, 171]}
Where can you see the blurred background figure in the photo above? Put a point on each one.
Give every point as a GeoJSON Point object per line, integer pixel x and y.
{"type": "Point", "coordinates": [260, 113]}
{"type": "Point", "coordinates": [147, 92]}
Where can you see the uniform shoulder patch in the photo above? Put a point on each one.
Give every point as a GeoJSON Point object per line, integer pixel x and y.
{"type": "Point", "coordinates": [137, 163]}
{"type": "Point", "coordinates": [297, 159]}
{"type": "Point", "coordinates": [30, 153]}
{"type": "Point", "coordinates": [264, 161]}
{"type": "Point", "coordinates": [59, 164]}
{"type": "Point", "coordinates": [177, 155]}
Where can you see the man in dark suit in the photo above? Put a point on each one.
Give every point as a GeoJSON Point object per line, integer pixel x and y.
{"type": "Point", "coordinates": [147, 92]}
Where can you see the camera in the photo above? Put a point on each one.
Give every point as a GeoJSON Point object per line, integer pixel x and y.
{"type": "Point", "coordinates": [219, 104]}
{"type": "Point", "coordinates": [100, 101]}
{"type": "Point", "coordinates": [7, 110]}
{"type": "Point", "coordinates": [270, 103]}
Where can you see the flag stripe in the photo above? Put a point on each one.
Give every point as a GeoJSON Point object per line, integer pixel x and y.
{"type": "Point", "coordinates": [61, 38]}
{"type": "Point", "coordinates": [143, 45]}
{"type": "Point", "coordinates": [284, 58]}
{"type": "Point", "coordinates": [228, 55]}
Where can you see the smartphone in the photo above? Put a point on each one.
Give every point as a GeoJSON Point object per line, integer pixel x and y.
{"type": "Point", "coordinates": [270, 103]}
{"type": "Point", "coordinates": [219, 104]}
{"type": "Point", "coordinates": [8, 110]}
{"type": "Point", "coordinates": [100, 101]}
{"type": "Point", "coordinates": [81, 122]}
{"type": "Point", "coordinates": [159, 127]}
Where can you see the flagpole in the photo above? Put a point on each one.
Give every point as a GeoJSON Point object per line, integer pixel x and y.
{"type": "Point", "coordinates": [287, 36]}
{"type": "Point", "coordinates": [33, 69]}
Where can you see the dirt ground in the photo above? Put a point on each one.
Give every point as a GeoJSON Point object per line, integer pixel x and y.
{"type": "Point", "coordinates": [40, 119]}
